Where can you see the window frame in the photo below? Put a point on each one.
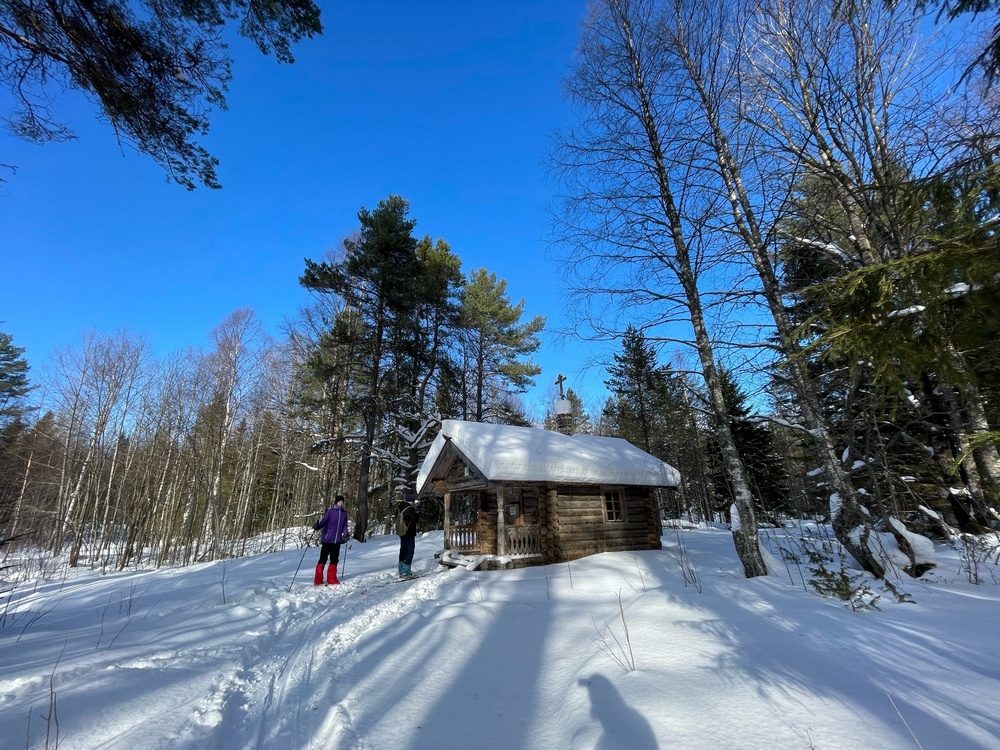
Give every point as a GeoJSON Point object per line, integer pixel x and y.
{"type": "Point", "coordinates": [612, 515]}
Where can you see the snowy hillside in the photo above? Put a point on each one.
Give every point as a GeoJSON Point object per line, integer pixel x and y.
{"type": "Point", "coordinates": [224, 655]}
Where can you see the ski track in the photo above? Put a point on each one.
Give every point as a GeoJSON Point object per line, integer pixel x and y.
{"type": "Point", "coordinates": [284, 674]}
{"type": "Point", "coordinates": [273, 681]}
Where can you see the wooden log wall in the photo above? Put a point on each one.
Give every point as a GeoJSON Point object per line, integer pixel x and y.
{"type": "Point", "coordinates": [571, 519]}
{"type": "Point", "coordinates": [548, 519]}
{"type": "Point", "coordinates": [575, 519]}
{"type": "Point", "coordinates": [488, 523]}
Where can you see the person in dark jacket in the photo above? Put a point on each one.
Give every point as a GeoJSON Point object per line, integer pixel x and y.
{"type": "Point", "coordinates": [334, 525]}
{"type": "Point", "coordinates": [407, 516]}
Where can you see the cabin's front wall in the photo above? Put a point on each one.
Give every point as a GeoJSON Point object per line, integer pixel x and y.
{"type": "Point", "coordinates": [507, 511]}
{"type": "Point", "coordinates": [544, 522]}
{"type": "Point", "coordinates": [463, 491]}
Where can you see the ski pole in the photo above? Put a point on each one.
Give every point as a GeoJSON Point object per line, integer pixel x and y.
{"type": "Point", "coordinates": [343, 568]}
{"type": "Point", "coordinates": [304, 550]}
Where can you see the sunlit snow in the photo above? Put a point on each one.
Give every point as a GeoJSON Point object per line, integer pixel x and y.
{"type": "Point", "coordinates": [236, 655]}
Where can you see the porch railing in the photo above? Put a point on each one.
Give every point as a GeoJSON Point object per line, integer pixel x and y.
{"type": "Point", "coordinates": [464, 538]}
{"type": "Point", "coordinates": [521, 540]}
{"type": "Point", "coordinates": [524, 540]}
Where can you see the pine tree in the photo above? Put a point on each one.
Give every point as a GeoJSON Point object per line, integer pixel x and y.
{"type": "Point", "coordinates": [327, 388]}
{"type": "Point", "coordinates": [422, 359]}
{"type": "Point", "coordinates": [377, 281]}
{"type": "Point", "coordinates": [155, 68]}
{"type": "Point", "coordinates": [495, 344]}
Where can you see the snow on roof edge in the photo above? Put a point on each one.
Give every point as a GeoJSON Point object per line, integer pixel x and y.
{"type": "Point", "coordinates": [507, 453]}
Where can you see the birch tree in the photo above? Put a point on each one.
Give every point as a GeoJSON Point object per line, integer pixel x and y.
{"type": "Point", "coordinates": [633, 216]}
{"type": "Point", "coordinates": [234, 366]}
{"type": "Point", "coordinates": [95, 386]}
{"type": "Point", "coordinates": [704, 40]}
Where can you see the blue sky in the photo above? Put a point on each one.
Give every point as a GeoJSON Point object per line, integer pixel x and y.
{"type": "Point", "coordinates": [450, 104]}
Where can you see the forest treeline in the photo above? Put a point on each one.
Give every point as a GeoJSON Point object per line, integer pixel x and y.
{"type": "Point", "coordinates": [120, 455]}
{"type": "Point", "coordinates": [783, 214]}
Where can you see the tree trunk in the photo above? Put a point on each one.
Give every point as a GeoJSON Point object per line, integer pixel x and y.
{"type": "Point", "coordinates": [963, 453]}
{"type": "Point", "coordinates": [986, 453]}
{"type": "Point", "coordinates": [851, 521]}
{"type": "Point", "coordinates": [745, 532]}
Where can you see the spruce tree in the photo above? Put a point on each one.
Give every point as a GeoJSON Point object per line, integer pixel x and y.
{"type": "Point", "coordinates": [14, 384]}
{"type": "Point", "coordinates": [649, 406]}
{"type": "Point", "coordinates": [904, 344]}
{"type": "Point", "coordinates": [638, 385]}
{"type": "Point", "coordinates": [755, 443]}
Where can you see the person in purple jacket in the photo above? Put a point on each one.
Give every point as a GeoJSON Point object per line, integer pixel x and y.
{"type": "Point", "coordinates": [334, 525]}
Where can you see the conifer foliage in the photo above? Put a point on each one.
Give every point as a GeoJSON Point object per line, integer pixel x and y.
{"type": "Point", "coordinates": [155, 68]}
{"type": "Point", "coordinates": [756, 445]}
{"type": "Point", "coordinates": [376, 280]}
{"type": "Point", "coordinates": [651, 407]}
{"type": "Point", "coordinates": [14, 384]}
{"type": "Point", "coordinates": [495, 344]}
{"type": "Point", "coordinates": [405, 340]}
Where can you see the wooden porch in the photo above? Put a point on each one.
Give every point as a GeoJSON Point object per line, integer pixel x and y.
{"type": "Point", "coordinates": [515, 541]}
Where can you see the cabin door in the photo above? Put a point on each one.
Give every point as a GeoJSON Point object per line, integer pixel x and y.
{"type": "Point", "coordinates": [463, 529]}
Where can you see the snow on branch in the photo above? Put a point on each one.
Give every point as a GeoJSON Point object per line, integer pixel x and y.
{"type": "Point", "coordinates": [783, 423]}
{"type": "Point", "coordinates": [329, 444]}
{"type": "Point", "coordinates": [831, 249]}
{"type": "Point", "coordinates": [420, 438]}
{"type": "Point", "coordinates": [911, 310]}
{"type": "Point", "coordinates": [389, 456]}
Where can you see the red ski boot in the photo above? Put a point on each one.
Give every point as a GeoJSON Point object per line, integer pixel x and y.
{"type": "Point", "coordinates": [318, 578]}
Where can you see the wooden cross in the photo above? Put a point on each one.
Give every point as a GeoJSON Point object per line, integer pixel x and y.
{"type": "Point", "coordinates": [559, 381]}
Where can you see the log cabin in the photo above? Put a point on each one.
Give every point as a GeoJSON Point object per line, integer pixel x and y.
{"type": "Point", "coordinates": [516, 496]}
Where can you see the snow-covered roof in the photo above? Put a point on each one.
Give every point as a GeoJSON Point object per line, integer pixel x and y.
{"type": "Point", "coordinates": [503, 453]}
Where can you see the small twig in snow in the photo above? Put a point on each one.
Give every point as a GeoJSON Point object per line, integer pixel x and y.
{"type": "Point", "coordinates": [904, 722]}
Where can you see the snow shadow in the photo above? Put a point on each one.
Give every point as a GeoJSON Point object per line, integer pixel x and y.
{"type": "Point", "coordinates": [787, 646]}
{"type": "Point", "coordinates": [493, 696]}
{"type": "Point", "coordinates": [622, 727]}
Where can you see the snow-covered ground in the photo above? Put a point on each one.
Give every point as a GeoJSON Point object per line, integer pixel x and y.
{"type": "Point", "coordinates": [228, 655]}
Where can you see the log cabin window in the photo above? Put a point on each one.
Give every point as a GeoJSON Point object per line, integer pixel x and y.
{"type": "Point", "coordinates": [614, 504]}
{"type": "Point", "coordinates": [464, 510]}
